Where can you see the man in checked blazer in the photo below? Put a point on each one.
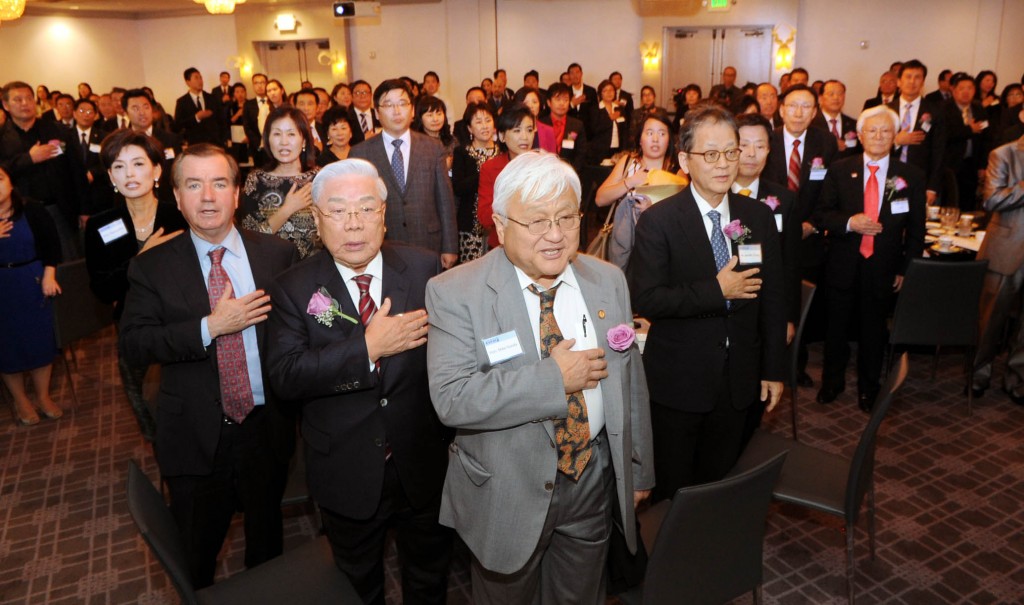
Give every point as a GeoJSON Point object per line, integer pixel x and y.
{"type": "Point", "coordinates": [421, 205]}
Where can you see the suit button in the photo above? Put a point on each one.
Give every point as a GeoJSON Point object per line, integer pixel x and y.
{"type": "Point", "coordinates": [548, 486]}
{"type": "Point", "coordinates": [384, 402]}
{"type": "Point", "coordinates": [356, 384]}
{"type": "Point", "coordinates": [378, 442]}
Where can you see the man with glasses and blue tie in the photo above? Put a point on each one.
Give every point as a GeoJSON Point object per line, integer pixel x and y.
{"type": "Point", "coordinates": [420, 199]}
{"type": "Point", "coordinates": [707, 272]}
{"type": "Point", "coordinates": [349, 330]}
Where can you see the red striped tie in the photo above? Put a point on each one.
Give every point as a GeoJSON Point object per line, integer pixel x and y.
{"type": "Point", "coordinates": [232, 367]}
{"type": "Point", "coordinates": [366, 305]}
{"type": "Point", "coordinates": [793, 173]}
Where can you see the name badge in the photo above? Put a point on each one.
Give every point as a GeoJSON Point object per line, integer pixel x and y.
{"type": "Point", "coordinates": [113, 231]}
{"type": "Point", "coordinates": [569, 144]}
{"type": "Point", "coordinates": [620, 119]}
{"type": "Point", "coordinates": [169, 153]}
{"type": "Point", "coordinates": [926, 126]}
{"type": "Point", "coordinates": [750, 254]}
{"type": "Point", "coordinates": [778, 222]}
{"type": "Point", "coordinates": [818, 174]}
{"type": "Point", "coordinates": [502, 347]}
{"type": "Point", "coordinates": [900, 206]}
{"type": "Point", "coordinates": [983, 125]}
{"type": "Point", "coordinates": [94, 148]}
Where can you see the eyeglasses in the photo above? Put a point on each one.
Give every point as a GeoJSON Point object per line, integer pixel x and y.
{"type": "Point", "coordinates": [389, 105]}
{"type": "Point", "coordinates": [360, 93]}
{"type": "Point", "coordinates": [569, 222]}
{"type": "Point", "coordinates": [801, 106]}
{"type": "Point", "coordinates": [84, 110]}
{"type": "Point", "coordinates": [363, 215]}
{"type": "Point", "coordinates": [711, 157]}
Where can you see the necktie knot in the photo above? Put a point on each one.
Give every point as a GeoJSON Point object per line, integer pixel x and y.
{"type": "Point", "coordinates": [363, 281]}
{"type": "Point", "coordinates": [873, 169]}
{"type": "Point", "coordinates": [547, 297]}
{"type": "Point", "coordinates": [745, 192]}
{"type": "Point", "coordinates": [397, 143]}
{"type": "Point", "coordinates": [216, 255]}
{"type": "Point", "coordinates": [716, 219]}
{"type": "Point", "coordinates": [796, 144]}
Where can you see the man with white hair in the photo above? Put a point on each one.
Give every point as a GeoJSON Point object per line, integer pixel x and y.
{"type": "Point", "coordinates": [873, 208]}
{"type": "Point", "coordinates": [531, 359]}
{"type": "Point", "coordinates": [348, 328]}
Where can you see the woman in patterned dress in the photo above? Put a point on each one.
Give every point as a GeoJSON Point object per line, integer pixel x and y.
{"type": "Point", "coordinates": [466, 163]}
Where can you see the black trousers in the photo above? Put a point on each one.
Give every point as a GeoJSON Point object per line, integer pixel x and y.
{"type": "Point", "coordinates": [864, 304]}
{"type": "Point", "coordinates": [245, 478]}
{"type": "Point", "coordinates": [424, 545]}
{"type": "Point", "coordinates": [691, 448]}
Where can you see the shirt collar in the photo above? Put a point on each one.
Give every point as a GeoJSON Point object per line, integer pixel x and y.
{"type": "Point", "coordinates": [704, 207]}
{"type": "Point", "coordinates": [406, 138]}
{"type": "Point", "coordinates": [883, 164]}
{"type": "Point", "coordinates": [232, 241]}
{"type": "Point", "coordinates": [375, 269]}
{"type": "Point", "coordinates": [754, 187]}
{"type": "Point", "coordinates": [788, 139]}
{"type": "Point", "coordinates": [566, 277]}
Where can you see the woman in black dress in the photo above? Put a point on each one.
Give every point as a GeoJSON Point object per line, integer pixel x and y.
{"type": "Point", "coordinates": [466, 163]}
{"type": "Point", "coordinates": [608, 130]}
{"type": "Point", "coordinates": [138, 222]}
{"type": "Point", "coordinates": [29, 255]}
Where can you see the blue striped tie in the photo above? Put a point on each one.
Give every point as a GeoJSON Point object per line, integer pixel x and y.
{"type": "Point", "coordinates": [398, 164]}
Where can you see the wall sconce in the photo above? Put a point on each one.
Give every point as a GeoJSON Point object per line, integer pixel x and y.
{"type": "Point", "coordinates": [11, 9]}
{"type": "Point", "coordinates": [784, 54]}
{"type": "Point", "coordinates": [286, 23]}
{"type": "Point", "coordinates": [651, 55]}
{"type": "Point", "coordinates": [334, 58]}
{"type": "Point", "coordinates": [242, 64]}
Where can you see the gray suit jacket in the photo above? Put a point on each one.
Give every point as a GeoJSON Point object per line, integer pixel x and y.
{"type": "Point", "coordinates": [424, 215]}
{"type": "Point", "coordinates": [1004, 198]}
{"type": "Point", "coordinates": [503, 459]}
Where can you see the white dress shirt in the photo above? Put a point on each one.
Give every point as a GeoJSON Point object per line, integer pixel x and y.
{"type": "Point", "coordinates": [376, 271]}
{"type": "Point", "coordinates": [406, 149]}
{"type": "Point", "coordinates": [704, 207]}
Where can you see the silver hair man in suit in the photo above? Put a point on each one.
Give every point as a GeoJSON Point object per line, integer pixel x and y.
{"type": "Point", "coordinates": [552, 433]}
{"type": "Point", "coordinates": [1004, 249]}
{"type": "Point", "coordinates": [421, 205]}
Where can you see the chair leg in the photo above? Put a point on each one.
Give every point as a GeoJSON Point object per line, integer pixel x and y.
{"type": "Point", "coordinates": [71, 379]}
{"type": "Point", "coordinates": [793, 398]}
{"type": "Point", "coordinates": [849, 561]}
{"type": "Point", "coordinates": [968, 372]}
{"type": "Point", "coordinates": [935, 363]}
{"type": "Point", "coordinates": [871, 518]}
{"type": "Point", "coordinates": [757, 594]}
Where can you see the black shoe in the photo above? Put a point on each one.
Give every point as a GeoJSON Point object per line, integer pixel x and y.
{"type": "Point", "coordinates": [827, 395]}
{"type": "Point", "coordinates": [866, 401]}
{"type": "Point", "coordinates": [1018, 399]}
{"type": "Point", "coordinates": [976, 392]}
{"type": "Point", "coordinates": [804, 380]}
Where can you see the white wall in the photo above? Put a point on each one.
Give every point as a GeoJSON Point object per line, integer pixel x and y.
{"type": "Point", "coordinates": [60, 52]}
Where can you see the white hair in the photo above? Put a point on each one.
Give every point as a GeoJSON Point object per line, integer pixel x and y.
{"type": "Point", "coordinates": [878, 110]}
{"type": "Point", "coordinates": [351, 166]}
{"type": "Point", "coordinates": [535, 176]}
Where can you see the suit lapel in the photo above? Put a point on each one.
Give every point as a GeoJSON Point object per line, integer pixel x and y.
{"type": "Point", "coordinates": [394, 286]}
{"type": "Point", "coordinates": [377, 149]}
{"type": "Point", "coordinates": [327, 277]}
{"type": "Point", "coordinates": [604, 311]}
{"type": "Point", "coordinates": [692, 224]}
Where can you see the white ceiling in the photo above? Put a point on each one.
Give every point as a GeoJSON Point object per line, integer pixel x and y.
{"type": "Point", "coordinates": [148, 9]}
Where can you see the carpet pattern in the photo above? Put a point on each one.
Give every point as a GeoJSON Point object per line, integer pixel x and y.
{"type": "Point", "coordinates": [949, 494]}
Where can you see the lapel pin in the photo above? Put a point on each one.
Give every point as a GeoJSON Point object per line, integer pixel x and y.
{"type": "Point", "coordinates": [853, 176]}
{"type": "Point", "coordinates": [600, 314]}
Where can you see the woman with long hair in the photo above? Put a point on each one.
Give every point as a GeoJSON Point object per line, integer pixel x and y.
{"type": "Point", "coordinates": [516, 128]}
{"type": "Point", "coordinates": [431, 120]}
{"type": "Point", "coordinates": [466, 164]}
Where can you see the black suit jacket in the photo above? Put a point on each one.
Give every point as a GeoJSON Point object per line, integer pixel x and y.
{"type": "Point", "coordinates": [672, 278]}
{"type": "Point", "coordinates": [817, 144]}
{"type": "Point", "coordinates": [350, 412]}
{"type": "Point", "coordinates": [936, 97]}
{"type": "Point", "coordinates": [928, 154]}
{"type": "Point", "coordinates": [847, 130]}
{"type": "Point", "coordinates": [789, 239]}
{"type": "Point", "coordinates": [210, 130]}
{"type": "Point", "coordinates": [99, 194]}
{"type": "Point", "coordinates": [575, 152]}
{"type": "Point", "coordinates": [582, 111]}
{"type": "Point", "coordinates": [167, 299]}
{"type": "Point", "coordinates": [902, 236]}
{"type": "Point", "coordinates": [172, 149]}
{"type": "Point", "coordinates": [250, 122]}
{"type": "Point", "coordinates": [599, 134]}
{"type": "Point", "coordinates": [958, 134]}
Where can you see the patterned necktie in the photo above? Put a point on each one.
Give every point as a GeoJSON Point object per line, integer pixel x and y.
{"type": "Point", "coordinates": [366, 305]}
{"type": "Point", "coordinates": [867, 242]}
{"type": "Point", "coordinates": [719, 246]}
{"type": "Point", "coordinates": [905, 126]}
{"type": "Point", "coordinates": [363, 124]}
{"type": "Point", "coordinates": [835, 131]}
{"type": "Point", "coordinates": [235, 390]}
{"type": "Point", "coordinates": [793, 171]}
{"type": "Point", "coordinates": [398, 164]}
{"type": "Point", "coordinates": [572, 435]}
{"type": "Point", "coordinates": [745, 192]}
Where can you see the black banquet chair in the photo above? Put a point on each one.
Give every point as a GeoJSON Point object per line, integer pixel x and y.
{"type": "Point", "coordinates": [305, 575]}
{"type": "Point", "coordinates": [938, 306]}
{"type": "Point", "coordinates": [707, 541]}
{"type": "Point", "coordinates": [807, 290]}
{"type": "Point", "coordinates": [827, 482]}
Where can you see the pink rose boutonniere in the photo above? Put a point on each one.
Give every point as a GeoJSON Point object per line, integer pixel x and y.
{"type": "Point", "coordinates": [621, 337]}
{"type": "Point", "coordinates": [572, 136]}
{"type": "Point", "coordinates": [926, 118]}
{"type": "Point", "coordinates": [325, 309]}
{"type": "Point", "coordinates": [818, 162]}
{"type": "Point", "coordinates": [850, 137]}
{"type": "Point", "coordinates": [772, 202]}
{"type": "Point", "coordinates": [894, 185]}
{"type": "Point", "coordinates": [736, 231]}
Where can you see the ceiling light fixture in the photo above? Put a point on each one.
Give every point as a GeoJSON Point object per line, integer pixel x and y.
{"type": "Point", "coordinates": [217, 7]}
{"type": "Point", "coordinates": [11, 9]}
{"type": "Point", "coordinates": [285, 23]}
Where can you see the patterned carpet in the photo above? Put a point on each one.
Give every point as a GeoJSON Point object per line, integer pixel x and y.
{"type": "Point", "coordinates": [949, 494]}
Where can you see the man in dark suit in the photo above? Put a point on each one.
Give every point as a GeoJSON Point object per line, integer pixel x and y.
{"type": "Point", "coordinates": [196, 305]}
{"type": "Point", "coordinates": [873, 207]}
{"type": "Point", "coordinates": [197, 114]}
{"type": "Point", "coordinates": [63, 113]}
{"type": "Point", "coordinates": [967, 143]}
{"type": "Point", "coordinates": [376, 453]}
{"type": "Point", "coordinates": [832, 119]}
{"type": "Point", "coordinates": [717, 308]}
{"type": "Point", "coordinates": [570, 134]}
{"type": "Point", "coordinates": [500, 96]}
{"type": "Point", "coordinates": [622, 98]}
{"type": "Point", "coordinates": [421, 205]}
{"type": "Point", "coordinates": [944, 91]}
{"type": "Point", "coordinates": [363, 112]}
{"type": "Point", "coordinates": [888, 90]}
{"type": "Point", "coordinates": [223, 89]}
{"type": "Point", "coordinates": [800, 157]}
{"type": "Point", "coordinates": [922, 135]}
{"type": "Point", "coordinates": [254, 114]}
{"type": "Point", "coordinates": [727, 94]}
{"type": "Point", "coordinates": [86, 138]}
{"type": "Point", "coordinates": [139, 107]}
{"type": "Point", "coordinates": [582, 97]}
{"type": "Point", "coordinates": [768, 99]}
